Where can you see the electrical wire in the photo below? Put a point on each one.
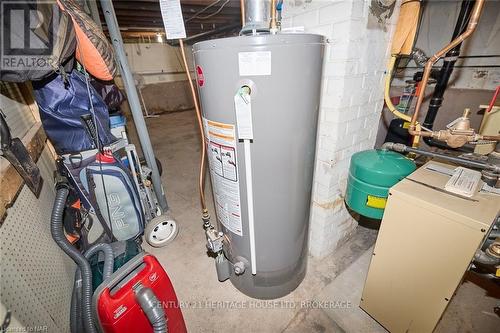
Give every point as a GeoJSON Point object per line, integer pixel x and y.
{"type": "Point", "coordinates": [214, 13]}
{"type": "Point", "coordinates": [399, 69]}
{"type": "Point", "coordinates": [202, 11]}
{"type": "Point", "coordinates": [201, 177]}
{"type": "Point", "coordinates": [493, 100]}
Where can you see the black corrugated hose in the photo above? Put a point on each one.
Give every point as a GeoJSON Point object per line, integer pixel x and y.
{"type": "Point", "coordinates": [76, 299]}
{"type": "Point", "coordinates": [56, 229]}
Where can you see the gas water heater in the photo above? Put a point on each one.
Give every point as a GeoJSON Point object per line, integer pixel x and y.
{"type": "Point", "coordinates": [260, 98]}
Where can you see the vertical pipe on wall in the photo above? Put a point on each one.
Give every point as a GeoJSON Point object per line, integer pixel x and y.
{"type": "Point", "coordinates": [471, 27]}
{"type": "Point", "coordinates": [273, 17]}
{"type": "Point", "coordinates": [133, 98]}
{"type": "Point", "coordinates": [242, 10]}
{"type": "Point", "coordinates": [450, 59]}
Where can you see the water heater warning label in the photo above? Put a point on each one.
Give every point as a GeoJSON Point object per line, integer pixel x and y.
{"type": "Point", "coordinates": [221, 150]}
{"type": "Point", "coordinates": [254, 63]}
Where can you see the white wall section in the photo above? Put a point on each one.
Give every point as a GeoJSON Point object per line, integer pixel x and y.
{"type": "Point", "coordinates": [351, 103]}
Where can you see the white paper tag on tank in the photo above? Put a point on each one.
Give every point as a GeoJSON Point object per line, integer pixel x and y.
{"type": "Point", "coordinates": [243, 108]}
{"type": "Point", "coordinates": [172, 19]}
{"type": "Point", "coordinates": [223, 163]}
{"type": "Point", "coordinates": [254, 63]}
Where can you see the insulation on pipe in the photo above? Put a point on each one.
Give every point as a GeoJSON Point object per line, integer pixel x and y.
{"type": "Point", "coordinates": [406, 28]}
{"type": "Point", "coordinates": [402, 44]}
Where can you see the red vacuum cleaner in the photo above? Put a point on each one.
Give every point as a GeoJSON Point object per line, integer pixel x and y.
{"type": "Point", "coordinates": [138, 297]}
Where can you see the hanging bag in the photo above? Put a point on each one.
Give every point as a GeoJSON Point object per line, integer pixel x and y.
{"type": "Point", "coordinates": [93, 51]}
{"type": "Point", "coordinates": [63, 107]}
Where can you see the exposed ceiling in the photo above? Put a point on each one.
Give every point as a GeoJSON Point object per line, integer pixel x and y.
{"type": "Point", "coordinates": [142, 18]}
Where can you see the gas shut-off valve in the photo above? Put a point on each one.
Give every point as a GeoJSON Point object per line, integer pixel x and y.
{"type": "Point", "coordinates": [459, 132]}
{"type": "Point", "coordinates": [214, 240]}
{"type": "Point", "coordinates": [215, 243]}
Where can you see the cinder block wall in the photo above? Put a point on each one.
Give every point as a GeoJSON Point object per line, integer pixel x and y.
{"type": "Point", "coordinates": [351, 103]}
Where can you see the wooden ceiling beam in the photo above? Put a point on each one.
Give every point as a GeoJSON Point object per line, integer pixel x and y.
{"type": "Point", "coordinates": [132, 13]}
{"type": "Point", "coordinates": [146, 15]}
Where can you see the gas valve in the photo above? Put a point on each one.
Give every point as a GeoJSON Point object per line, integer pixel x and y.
{"type": "Point", "coordinates": [458, 132]}
{"type": "Point", "coordinates": [215, 240]}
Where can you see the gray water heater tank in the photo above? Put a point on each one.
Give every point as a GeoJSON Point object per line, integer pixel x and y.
{"type": "Point", "coordinates": [282, 75]}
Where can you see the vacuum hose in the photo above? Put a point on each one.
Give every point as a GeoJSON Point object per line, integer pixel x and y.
{"type": "Point", "coordinates": [152, 308]}
{"type": "Point", "coordinates": [56, 229]}
{"type": "Point", "coordinates": [107, 250]}
{"type": "Point", "coordinates": [109, 258]}
{"type": "Point", "coordinates": [75, 320]}
{"type": "Point", "coordinates": [5, 138]}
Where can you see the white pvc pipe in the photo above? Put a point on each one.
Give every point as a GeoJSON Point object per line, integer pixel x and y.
{"type": "Point", "coordinates": [251, 224]}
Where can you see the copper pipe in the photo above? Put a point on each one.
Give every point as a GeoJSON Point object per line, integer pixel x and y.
{"type": "Point", "coordinates": [242, 10]}
{"type": "Point", "coordinates": [425, 134]}
{"type": "Point", "coordinates": [474, 18]}
{"type": "Point", "coordinates": [273, 15]}
{"type": "Point", "coordinates": [200, 125]}
{"type": "Point", "coordinates": [491, 137]}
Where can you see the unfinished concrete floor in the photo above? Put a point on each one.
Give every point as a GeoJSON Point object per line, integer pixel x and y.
{"type": "Point", "coordinates": [211, 306]}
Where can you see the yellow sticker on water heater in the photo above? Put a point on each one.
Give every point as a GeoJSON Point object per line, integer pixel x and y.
{"type": "Point", "coordinates": [376, 202]}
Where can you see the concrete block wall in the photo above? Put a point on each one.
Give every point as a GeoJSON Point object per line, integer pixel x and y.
{"type": "Point", "coordinates": [351, 103]}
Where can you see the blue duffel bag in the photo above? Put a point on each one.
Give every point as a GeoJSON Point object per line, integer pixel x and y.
{"type": "Point", "coordinates": [64, 103]}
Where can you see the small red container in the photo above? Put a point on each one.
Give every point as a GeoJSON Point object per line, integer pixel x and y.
{"type": "Point", "coordinates": [114, 301]}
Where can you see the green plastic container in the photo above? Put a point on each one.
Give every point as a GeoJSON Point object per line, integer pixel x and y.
{"type": "Point", "coordinates": [371, 174]}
